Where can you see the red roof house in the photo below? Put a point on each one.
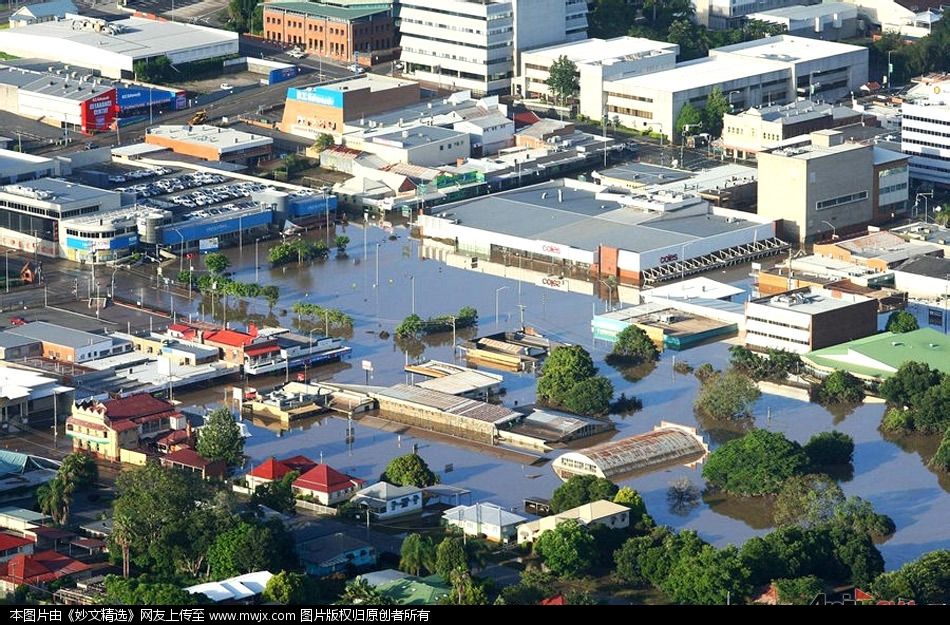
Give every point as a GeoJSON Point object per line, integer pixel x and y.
{"type": "Point", "coordinates": [188, 459]}
{"type": "Point", "coordinates": [105, 428]}
{"type": "Point", "coordinates": [555, 600]}
{"type": "Point", "coordinates": [327, 485]}
{"type": "Point", "coordinates": [273, 469]}
{"type": "Point", "coordinates": [38, 569]}
{"type": "Point", "coordinates": [11, 545]}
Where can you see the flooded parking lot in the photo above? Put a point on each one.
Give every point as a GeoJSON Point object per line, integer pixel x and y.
{"type": "Point", "coordinates": [380, 282]}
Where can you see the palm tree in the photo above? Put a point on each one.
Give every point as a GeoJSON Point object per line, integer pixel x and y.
{"type": "Point", "coordinates": [53, 499]}
{"type": "Point", "coordinates": [359, 592]}
{"type": "Point", "coordinates": [79, 470]}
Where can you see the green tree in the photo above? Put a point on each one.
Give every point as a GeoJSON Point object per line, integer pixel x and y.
{"type": "Point", "coordinates": [142, 591]}
{"type": "Point", "coordinates": [220, 438]}
{"type": "Point", "coordinates": [900, 322]}
{"type": "Point", "coordinates": [287, 588]}
{"type": "Point", "coordinates": [909, 383]}
{"type": "Point", "coordinates": [278, 494]}
{"type": "Point", "coordinates": [409, 470]}
{"type": "Point", "coordinates": [359, 592]}
{"type": "Point", "coordinates": [691, 38]}
{"type": "Point", "coordinates": [710, 577]}
{"type": "Point", "coordinates": [840, 387]}
{"type": "Point", "coordinates": [633, 346]}
{"type": "Point", "coordinates": [418, 555]}
{"type": "Point", "coordinates": [941, 459]}
{"type": "Point", "coordinates": [567, 550]}
{"type": "Point", "coordinates": [563, 79]}
{"type": "Point", "coordinates": [626, 496]}
{"type": "Point", "coordinates": [341, 241]}
{"type": "Point", "coordinates": [758, 463]}
{"type": "Point", "coordinates": [798, 590]}
{"type": "Point", "coordinates": [690, 116]}
{"type": "Point", "coordinates": [717, 105]}
{"type": "Point", "coordinates": [54, 499]}
{"type": "Point", "coordinates": [581, 489]}
{"type": "Point", "coordinates": [535, 584]}
{"type": "Point", "coordinates": [410, 327]}
{"type": "Point", "coordinates": [610, 18]}
{"type": "Point", "coordinates": [241, 15]}
{"type": "Point", "coordinates": [859, 516]}
{"type": "Point", "coordinates": [926, 580]}
{"type": "Point", "coordinates": [79, 470]}
{"type": "Point", "coordinates": [564, 367]}
{"type": "Point", "coordinates": [450, 556]}
{"type": "Point", "coordinates": [217, 263]}
{"type": "Point", "coordinates": [727, 396]}
{"type": "Point", "coordinates": [323, 142]}
{"type": "Point", "coordinates": [828, 449]}
{"type": "Point", "coordinates": [807, 501]}
{"type": "Point", "coordinates": [250, 547]}
{"type": "Point", "coordinates": [590, 396]}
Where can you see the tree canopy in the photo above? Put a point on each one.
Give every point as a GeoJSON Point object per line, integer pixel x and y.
{"type": "Point", "coordinates": [727, 396]}
{"type": "Point", "coordinates": [828, 449]}
{"type": "Point", "coordinates": [569, 380]}
{"type": "Point", "coordinates": [900, 322]}
{"type": "Point", "coordinates": [217, 263]}
{"type": "Point", "coordinates": [220, 438]}
{"type": "Point", "coordinates": [288, 588]}
{"type": "Point", "coordinates": [418, 555]}
{"type": "Point", "coordinates": [563, 80]}
{"type": "Point", "coordinates": [807, 501]}
{"type": "Point", "coordinates": [839, 387]}
{"type": "Point", "coordinates": [581, 489]}
{"type": "Point", "coordinates": [567, 550]}
{"type": "Point", "coordinates": [920, 400]}
{"type": "Point", "coordinates": [142, 591]}
{"type": "Point", "coordinates": [409, 470]}
{"type": "Point", "coordinates": [717, 105]}
{"type": "Point", "coordinates": [925, 580]}
{"type": "Point", "coordinates": [941, 459]}
{"type": "Point", "coordinates": [250, 547]}
{"type": "Point", "coordinates": [757, 463]}
{"type": "Point", "coordinates": [689, 116]}
{"type": "Point", "coordinates": [450, 555]}
{"type": "Point", "coordinates": [633, 346]}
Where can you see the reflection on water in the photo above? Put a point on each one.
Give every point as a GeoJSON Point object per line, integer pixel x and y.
{"type": "Point", "coordinates": [756, 512]}
{"type": "Point", "coordinates": [891, 473]}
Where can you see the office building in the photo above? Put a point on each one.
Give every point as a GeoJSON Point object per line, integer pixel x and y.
{"type": "Point", "coordinates": [725, 14]}
{"type": "Point", "coordinates": [831, 21]}
{"type": "Point", "coordinates": [77, 103]}
{"type": "Point", "coordinates": [212, 143]}
{"type": "Point", "coordinates": [350, 31]}
{"type": "Point", "coordinates": [476, 44]}
{"type": "Point", "coordinates": [925, 129]}
{"type": "Point", "coordinates": [101, 237]}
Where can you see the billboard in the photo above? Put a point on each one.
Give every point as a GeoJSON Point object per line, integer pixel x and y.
{"type": "Point", "coordinates": [97, 113]}
{"type": "Point", "coordinates": [139, 97]}
{"type": "Point", "coordinates": [317, 95]}
{"type": "Point", "coordinates": [208, 245]}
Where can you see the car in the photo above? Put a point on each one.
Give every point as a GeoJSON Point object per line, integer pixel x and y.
{"type": "Point", "coordinates": [356, 69]}
{"type": "Point", "coordinates": [225, 86]}
{"type": "Point", "coordinates": [17, 321]}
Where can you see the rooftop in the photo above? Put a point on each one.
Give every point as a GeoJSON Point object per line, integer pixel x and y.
{"type": "Point", "coordinates": [880, 355]}
{"type": "Point", "coordinates": [336, 13]}
{"type": "Point", "coordinates": [222, 138]}
{"type": "Point", "coordinates": [602, 50]}
{"type": "Point", "coordinates": [416, 136]}
{"type": "Point", "coordinates": [799, 111]}
{"type": "Point", "coordinates": [810, 300]}
{"type": "Point", "coordinates": [929, 266]}
{"type": "Point", "coordinates": [138, 405]}
{"type": "Point", "coordinates": [325, 479]}
{"type": "Point", "coordinates": [787, 49]}
{"type": "Point", "coordinates": [374, 82]}
{"type": "Point", "coordinates": [415, 591]}
{"type": "Point", "coordinates": [923, 232]}
{"type": "Point", "coordinates": [484, 513]}
{"type": "Point", "coordinates": [884, 246]}
{"type": "Point", "coordinates": [52, 84]}
{"type": "Point", "coordinates": [236, 588]}
{"type": "Point", "coordinates": [384, 491]}
{"type": "Point", "coordinates": [700, 287]}
{"type": "Point", "coordinates": [57, 334]}
{"type": "Point", "coordinates": [329, 550]}
{"type": "Point", "coordinates": [643, 174]}
{"type": "Point", "coordinates": [46, 9]}
{"type": "Point", "coordinates": [22, 514]}
{"type": "Point", "coordinates": [460, 406]}
{"type": "Point", "coordinates": [12, 158]}
{"type": "Point", "coordinates": [703, 72]}
{"type": "Point", "coordinates": [55, 190]}
{"type": "Point", "coordinates": [809, 12]}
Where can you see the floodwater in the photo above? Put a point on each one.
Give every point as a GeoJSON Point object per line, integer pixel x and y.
{"type": "Point", "coordinates": [891, 474]}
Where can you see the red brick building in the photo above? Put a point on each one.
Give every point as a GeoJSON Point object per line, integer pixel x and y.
{"type": "Point", "coordinates": [342, 30]}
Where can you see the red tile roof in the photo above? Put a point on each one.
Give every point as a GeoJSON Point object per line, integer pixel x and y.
{"type": "Point", "coordinates": [174, 437]}
{"type": "Point", "coordinates": [41, 567]}
{"type": "Point", "coordinates": [273, 469]}
{"type": "Point", "coordinates": [261, 349]}
{"type": "Point", "coordinates": [232, 338]}
{"type": "Point", "coordinates": [8, 542]}
{"type": "Point", "coordinates": [122, 426]}
{"type": "Point", "coordinates": [555, 600]}
{"type": "Point", "coordinates": [299, 463]}
{"type": "Point", "coordinates": [189, 458]}
{"type": "Point", "coordinates": [181, 328]}
{"type": "Point", "coordinates": [325, 479]}
{"type": "Point", "coordinates": [139, 405]}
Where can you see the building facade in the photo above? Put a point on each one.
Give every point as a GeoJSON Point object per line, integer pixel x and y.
{"type": "Point", "coordinates": [212, 143]}
{"type": "Point", "coordinates": [830, 21]}
{"type": "Point", "coordinates": [925, 130]}
{"type": "Point", "coordinates": [725, 14]}
{"type": "Point", "coordinates": [107, 428]}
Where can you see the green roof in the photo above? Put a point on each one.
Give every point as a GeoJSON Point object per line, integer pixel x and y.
{"type": "Point", "coordinates": [880, 355]}
{"type": "Point", "coordinates": [415, 590]}
{"type": "Point", "coordinates": [333, 12]}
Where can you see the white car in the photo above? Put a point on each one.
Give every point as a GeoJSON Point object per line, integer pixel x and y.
{"type": "Point", "coordinates": [296, 54]}
{"type": "Point", "coordinates": [226, 86]}
{"type": "Point", "coordinates": [356, 69]}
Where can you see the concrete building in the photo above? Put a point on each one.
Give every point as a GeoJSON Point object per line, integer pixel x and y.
{"type": "Point", "coordinates": [19, 166]}
{"type": "Point", "coordinates": [597, 60]}
{"type": "Point", "coordinates": [109, 429]}
{"type": "Point", "coordinates": [925, 129]}
{"type": "Point", "coordinates": [725, 14]}
{"type": "Point", "coordinates": [326, 108]}
{"type": "Point", "coordinates": [485, 519]}
{"type": "Point", "coordinates": [476, 44]}
{"type": "Point", "coordinates": [41, 12]}
{"type": "Point", "coordinates": [819, 186]}
{"type": "Point", "coordinates": [350, 31]}
{"type": "Point", "coordinates": [111, 48]}
{"type": "Point", "coordinates": [831, 21]}
{"type": "Point", "coordinates": [428, 146]}
{"type": "Point", "coordinates": [879, 251]}
{"type": "Point", "coordinates": [64, 101]}
{"type": "Point", "coordinates": [488, 134]}
{"type": "Point", "coordinates": [28, 395]}
{"type": "Point", "coordinates": [745, 133]}
{"type": "Point", "coordinates": [69, 344]}
{"type": "Point", "coordinates": [13, 347]}
{"type": "Point", "coordinates": [804, 320]}
{"type": "Point", "coordinates": [924, 233]}
{"type": "Point", "coordinates": [601, 512]}
{"type": "Point", "coordinates": [911, 18]}
{"type": "Point", "coordinates": [386, 501]}
{"type": "Point", "coordinates": [212, 143]}
{"type": "Point", "coordinates": [924, 277]}
{"type": "Point", "coordinates": [100, 237]}
{"type": "Point", "coordinates": [876, 358]}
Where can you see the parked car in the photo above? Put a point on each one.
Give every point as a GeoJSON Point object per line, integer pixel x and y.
{"type": "Point", "coordinates": [356, 68]}
{"type": "Point", "coordinates": [17, 321]}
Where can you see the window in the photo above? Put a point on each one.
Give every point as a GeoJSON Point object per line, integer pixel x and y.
{"type": "Point", "coordinates": [841, 200]}
{"type": "Point", "coordinates": [935, 316]}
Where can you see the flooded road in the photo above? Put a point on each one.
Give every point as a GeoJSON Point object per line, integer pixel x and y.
{"type": "Point", "coordinates": [891, 474]}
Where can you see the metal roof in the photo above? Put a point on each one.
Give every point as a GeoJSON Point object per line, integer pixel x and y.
{"type": "Point", "coordinates": [483, 513]}
{"type": "Point", "coordinates": [336, 13]}
{"type": "Point", "coordinates": [468, 408]}
{"type": "Point", "coordinates": [58, 335]}
{"type": "Point", "coordinates": [880, 355]}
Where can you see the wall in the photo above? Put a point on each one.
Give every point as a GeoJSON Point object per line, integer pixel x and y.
{"type": "Point", "coordinates": [844, 324]}
{"type": "Point", "coordinates": [129, 456]}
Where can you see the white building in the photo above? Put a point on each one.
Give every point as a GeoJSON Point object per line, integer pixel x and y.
{"type": "Point", "coordinates": [17, 166]}
{"type": "Point", "coordinates": [601, 512]}
{"type": "Point", "coordinates": [924, 277]}
{"type": "Point", "coordinates": [475, 44]}
{"type": "Point", "coordinates": [485, 519]}
{"type": "Point", "coordinates": [41, 12]}
{"type": "Point", "coordinates": [111, 48]}
{"type": "Point", "coordinates": [101, 237]}
{"type": "Point", "coordinates": [488, 134]}
{"type": "Point", "coordinates": [910, 18]}
{"type": "Point", "coordinates": [597, 60]}
{"type": "Point", "coordinates": [429, 146]}
{"type": "Point", "coordinates": [925, 135]}
{"type": "Point", "coordinates": [830, 21]}
{"type": "Point", "coordinates": [723, 14]}
{"type": "Point", "coordinates": [386, 501]}
{"type": "Point", "coordinates": [65, 101]}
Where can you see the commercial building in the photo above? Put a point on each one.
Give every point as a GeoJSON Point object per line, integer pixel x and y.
{"type": "Point", "coordinates": [878, 357]}
{"type": "Point", "coordinates": [41, 12]}
{"type": "Point", "coordinates": [488, 134]}
{"type": "Point", "coordinates": [926, 280]}
{"type": "Point", "coordinates": [820, 187]}
{"type": "Point", "coordinates": [748, 132]}
{"type": "Point", "coordinates": [877, 250]}
{"type": "Point", "coordinates": [925, 129]}
{"type": "Point", "coordinates": [668, 444]}
{"type": "Point", "coordinates": [476, 44]}
{"type": "Point", "coordinates": [924, 233]}
{"type": "Point", "coordinates": [831, 21]}
{"type": "Point", "coordinates": [725, 14]}
{"type": "Point", "coordinates": [78, 103]}
{"type": "Point", "coordinates": [601, 512]}
{"type": "Point", "coordinates": [212, 143]}
{"type": "Point", "coordinates": [582, 230]}
{"type": "Point", "coordinates": [18, 166]}
{"type": "Point", "coordinates": [326, 108]}
{"type": "Point", "coordinates": [597, 60]}
{"type": "Point", "coordinates": [29, 395]}
{"type": "Point", "coordinates": [69, 344]}
{"type": "Point", "coordinates": [13, 347]}
{"type": "Point", "coordinates": [111, 48]}
{"type": "Point", "coordinates": [911, 18]}
{"type": "Point", "coordinates": [804, 320]}
{"type": "Point", "coordinates": [109, 429]}
{"type": "Point", "coordinates": [429, 146]}
{"type": "Point", "coordinates": [485, 519]}
{"type": "Point", "coordinates": [351, 31]}
{"type": "Point", "coordinates": [100, 237]}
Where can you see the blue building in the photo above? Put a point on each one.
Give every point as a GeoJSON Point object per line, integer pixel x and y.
{"type": "Point", "coordinates": [335, 553]}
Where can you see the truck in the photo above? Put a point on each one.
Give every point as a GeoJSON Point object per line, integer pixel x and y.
{"type": "Point", "coordinates": [199, 118]}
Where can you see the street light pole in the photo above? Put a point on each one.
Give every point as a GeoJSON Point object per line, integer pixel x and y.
{"type": "Point", "coordinates": [257, 263]}
{"type": "Point", "coordinates": [497, 293]}
{"type": "Point", "coordinates": [928, 194]}
{"type": "Point", "coordinates": [686, 129]}
{"type": "Point", "coordinates": [834, 231]}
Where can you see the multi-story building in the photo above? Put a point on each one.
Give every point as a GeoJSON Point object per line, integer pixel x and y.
{"type": "Point", "coordinates": [69, 344]}
{"type": "Point", "coordinates": [724, 14]}
{"type": "Point", "coordinates": [76, 103]}
{"type": "Point", "coordinates": [820, 186]}
{"type": "Point", "coordinates": [831, 21]}
{"type": "Point", "coordinates": [925, 129]}
{"type": "Point", "coordinates": [359, 31]}
{"type": "Point", "coordinates": [804, 320]}
{"type": "Point", "coordinates": [212, 143]}
{"type": "Point", "coordinates": [476, 44]}
{"type": "Point", "coordinates": [107, 428]}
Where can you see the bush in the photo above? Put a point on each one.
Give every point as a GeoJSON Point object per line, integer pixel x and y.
{"type": "Point", "coordinates": [758, 463]}
{"type": "Point", "coordinates": [839, 387]}
{"type": "Point", "coordinates": [633, 346]}
{"type": "Point", "coordinates": [941, 459]}
{"type": "Point", "coordinates": [829, 449]}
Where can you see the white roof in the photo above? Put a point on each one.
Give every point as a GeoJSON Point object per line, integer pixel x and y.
{"type": "Point", "coordinates": [234, 588]}
{"type": "Point", "coordinates": [484, 513]}
{"type": "Point", "coordinates": [599, 50]}
{"type": "Point", "coordinates": [696, 287]}
{"type": "Point", "coordinates": [223, 139]}
{"type": "Point", "coordinates": [711, 70]}
{"type": "Point", "coordinates": [799, 12]}
{"type": "Point", "coordinates": [787, 49]}
{"type": "Point", "coordinates": [23, 383]}
{"type": "Point", "coordinates": [45, 9]}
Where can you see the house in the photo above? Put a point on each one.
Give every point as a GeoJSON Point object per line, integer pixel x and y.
{"type": "Point", "coordinates": [42, 12]}
{"type": "Point", "coordinates": [385, 500]}
{"type": "Point", "coordinates": [327, 485]}
{"type": "Point", "coordinates": [240, 589]}
{"type": "Point", "coordinates": [106, 428]}
{"type": "Point", "coordinates": [190, 460]}
{"type": "Point", "coordinates": [335, 553]}
{"type": "Point", "coordinates": [11, 546]}
{"type": "Point", "coordinates": [601, 512]}
{"type": "Point", "coordinates": [485, 519]}
{"type": "Point", "coordinates": [20, 519]}
{"type": "Point", "coordinates": [38, 569]}
{"type": "Point", "coordinates": [272, 469]}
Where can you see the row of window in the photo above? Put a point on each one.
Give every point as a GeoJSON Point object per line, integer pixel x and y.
{"type": "Point", "coordinates": [628, 96]}
{"type": "Point", "coordinates": [628, 111]}
{"type": "Point", "coordinates": [935, 133]}
{"type": "Point", "coordinates": [929, 120]}
{"type": "Point", "coordinates": [841, 200]}
{"type": "Point", "coordinates": [772, 322]}
{"type": "Point", "coordinates": [894, 187]}
{"type": "Point", "coordinates": [774, 337]}
{"type": "Point", "coordinates": [101, 235]}
{"type": "Point", "coordinates": [930, 144]}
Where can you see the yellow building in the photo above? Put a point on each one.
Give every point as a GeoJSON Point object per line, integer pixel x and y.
{"type": "Point", "coordinates": [106, 428]}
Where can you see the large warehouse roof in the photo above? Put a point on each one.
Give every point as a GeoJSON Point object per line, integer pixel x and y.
{"type": "Point", "coordinates": [667, 443]}
{"type": "Point", "coordinates": [52, 84]}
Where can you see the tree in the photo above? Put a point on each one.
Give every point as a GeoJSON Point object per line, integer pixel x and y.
{"type": "Point", "coordinates": [220, 438]}
{"type": "Point", "coordinates": [633, 346]}
{"type": "Point", "coordinates": [581, 489]}
{"type": "Point", "coordinates": [626, 496]}
{"type": "Point", "coordinates": [909, 383]}
{"type": "Point", "coordinates": [535, 584]}
{"type": "Point", "coordinates": [717, 105]}
{"type": "Point", "coordinates": [341, 241]}
{"type": "Point", "coordinates": [287, 588]}
{"type": "Point", "coordinates": [79, 470]}
{"type": "Point", "coordinates": [941, 459]}
{"type": "Point", "coordinates": [710, 577]}
{"type": "Point", "coordinates": [359, 592]}
{"type": "Point", "coordinates": [278, 494]}
{"type": "Point", "coordinates": [563, 368]}
{"type": "Point", "coordinates": [689, 116]}
{"type": "Point", "coordinates": [417, 555]}
{"type": "Point", "coordinates": [859, 516]}
{"type": "Point", "coordinates": [840, 387]}
{"type": "Point", "coordinates": [323, 142]}
{"type": "Point", "coordinates": [563, 80]}
{"type": "Point", "coordinates": [142, 591]}
{"type": "Point", "coordinates": [590, 396]}
{"type": "Point", "coordinates": [828, 449]}
{"type": "Point", "coordinates": [900, 322]}
{"type": "Point", "coordinates": [54, 499]}
{"type": "Point", "coordinates": [450, 555]}
{"type": "Point", "coordinates": [807, 501]}
{"type": "Point", "coordinates": [465, 590]}
{"type": "Point", "coordinates": [755, 464]}
{"type": "Point", "coordinates": [690, 37]}
{"type": "Point", "coordinates": [727, 396]}
{"type": "Point", "coordinates": [241, 14]}
{"type": "Point", "coordinates": [217, 263]}
{"type": "Point", "coordinates": [682, 496]}
{"type": "Point", "coordinates": [411, 326]}
{"type": "Point", "coordinates": [925, 580]}
{"type": "Point", "coordinates": [250, 547]}
{"type": "Point", "coordinates": [566, 550]}
{"type": "Point", "coordinates": [409, 470]}
{"type": "Point", "coordinates": [609, 19]}
{"type": "Point", "coordinates": [798, 590]}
